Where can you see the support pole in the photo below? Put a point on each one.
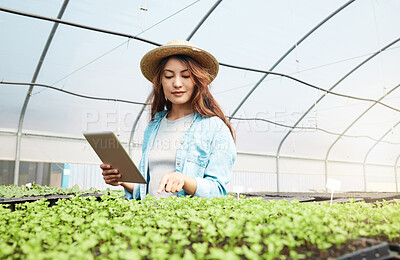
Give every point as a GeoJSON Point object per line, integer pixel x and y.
{"type": "Point", "coordinates": [29, 93]}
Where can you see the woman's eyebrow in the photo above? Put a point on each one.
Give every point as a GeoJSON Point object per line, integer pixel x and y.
{"type": "Point", "coordinates": [174, 71]}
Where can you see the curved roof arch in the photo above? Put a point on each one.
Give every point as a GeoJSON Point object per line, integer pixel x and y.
{"type": "Point", "coordinates": [289, 51]}
{"type": "Point", "coordinates": [90, 78]}
{"type": "Point", "coordinates": [369, 151]}
{"type": "Point", "coordinates": [331, 88]}
{"type": "Point", "coordinates": [352, 124]}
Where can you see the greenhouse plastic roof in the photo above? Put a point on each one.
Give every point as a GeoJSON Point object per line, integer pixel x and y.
{"type": "Point", "coordinates": [335, 95]}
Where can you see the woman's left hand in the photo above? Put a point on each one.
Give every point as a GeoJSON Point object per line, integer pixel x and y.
{"type": "Point", "coordinates": [171, 182]}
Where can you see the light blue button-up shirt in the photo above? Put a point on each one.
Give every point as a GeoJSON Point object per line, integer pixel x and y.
{"type": "Point", "coordinates": [206, 152]}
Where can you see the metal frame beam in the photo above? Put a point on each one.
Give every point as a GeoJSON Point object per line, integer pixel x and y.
{"type": "Point", "coordinates": [71, 93]}
{"type": "Point", "coordinates": [288, 52]}
{"type": "Point", "coordinates": [351, 125]}
{"type": "Point", "coordinates": [372, 147]}
{"type": "Point", "coordinates": [320, 98]}
{"type": "Point", "coordinates": [86, 27]}
{"type": "Point", "coordinates": [395, 172]}
{"type": "Point", "coordinates": [203, 20]}
{"type": "Point", "coordinates": [29, 92]}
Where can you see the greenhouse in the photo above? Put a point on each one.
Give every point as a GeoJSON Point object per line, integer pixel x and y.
{"type": "Point", "coordinates": [309, 87]}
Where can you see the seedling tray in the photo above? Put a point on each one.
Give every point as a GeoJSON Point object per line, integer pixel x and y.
{"type": "Point", "coordinates": [341, 197]}
{"type": "Point", "coordinates": [51, 198]}
{"type": "Point", "coordinates": [378, 251]}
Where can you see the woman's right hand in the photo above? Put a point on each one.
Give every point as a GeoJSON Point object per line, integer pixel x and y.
{"type": "Point", "coordinates": [111, 176]}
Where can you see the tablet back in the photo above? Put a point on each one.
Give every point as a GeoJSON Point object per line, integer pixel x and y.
{"type": "Point", "coordinates": [110, 151]}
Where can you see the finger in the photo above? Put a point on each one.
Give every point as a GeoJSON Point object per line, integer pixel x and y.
{"type": "Point", "coordinates": [179, 187]}
{"type": "Point", "coordinates": [163, 182]}
{"type": "Point", "coordinates": [112, 181]}
{"type": "Point", "coordinates": [110, 172]}
{"type": "Point", "coordinates": [112, 177]}
{"type": "Point", "coordinates": [175, 185]}
{"type": "Point", "coordinates": [105, 166]}
{"type": "Point", "coordinates": [106, 172]}
{"type": "Point", "coordinates": [109, 180]}
{"type": "Point", "coordinates": [170, 185]}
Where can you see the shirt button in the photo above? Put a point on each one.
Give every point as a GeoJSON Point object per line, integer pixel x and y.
{"type": "Point", "coordinates": [178, 163]}
{"type": "Point", "coordinates": [182, 142]}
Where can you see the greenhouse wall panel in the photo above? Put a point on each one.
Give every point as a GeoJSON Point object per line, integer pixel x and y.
{"type": "Point", "coordinates": [380, 171]}
{"type": "Point", "coordinates": [375, 186]}
{"type": "Point", "coordinates": [349, 183]}
{"type": "Point", "coordinates": [56, 150]}
{"type": "Point", "coordinates": [252, 182]}
{"type": "Point", "coordinates": [34, 172]}
{"type": "Point", "coordinates": [301, 182]}
{"type": "Point", "coordinates": [7, 172]}
{"type": "Point", "coordinates": [301, 166]}
{"type": "Point", "coordinates": [246, 162]}
{"type": "Point", "coordinates": [7, 147]}
{"type": "Point", "coordinates": [87, 176]}
{"type": "Point", "coordinates": [339, 168]}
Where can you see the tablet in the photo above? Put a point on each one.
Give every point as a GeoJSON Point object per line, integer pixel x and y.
{"type": "Point", "coordinates": [110, 151]}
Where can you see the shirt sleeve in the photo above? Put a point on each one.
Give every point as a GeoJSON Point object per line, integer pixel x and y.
{"type": "Point", "coordinates": [135, 194]}
{"type": "Point", "coordinates": [218, 171]}
{"type": "Point", "coordinates": [136, 187]}
{"type": "Point", "coordinates": [128, 195]}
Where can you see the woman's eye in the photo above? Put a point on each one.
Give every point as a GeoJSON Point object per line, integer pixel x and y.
{"type": "Point", "coordinates": [168, 77]}
{"type": "Point", "coordinates": [186, 77]}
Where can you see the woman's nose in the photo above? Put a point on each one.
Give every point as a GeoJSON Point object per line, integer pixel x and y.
{"type": "Point", "coordinates": [177, 82]}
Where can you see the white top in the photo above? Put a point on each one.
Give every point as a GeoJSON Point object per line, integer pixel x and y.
{"type": "Point", "coordinates": [162, 155]}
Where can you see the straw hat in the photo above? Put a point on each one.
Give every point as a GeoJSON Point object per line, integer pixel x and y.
{"type": "Point", "coordinates": [152, 59]}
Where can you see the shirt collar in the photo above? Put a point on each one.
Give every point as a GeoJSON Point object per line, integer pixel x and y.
{"type": "Point", "coordinates": [161, 114]}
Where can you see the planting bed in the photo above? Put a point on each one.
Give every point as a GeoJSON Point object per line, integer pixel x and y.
{"type": "Point", "coordinates": [325, 197]}
{"type": "Point", "coordinates": [13, 194]}
{"type": "Point", "coordinates": [193, 228]}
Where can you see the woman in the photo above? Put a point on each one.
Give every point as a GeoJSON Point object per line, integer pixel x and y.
{"type": "Point", "coordinates": [188, 146]}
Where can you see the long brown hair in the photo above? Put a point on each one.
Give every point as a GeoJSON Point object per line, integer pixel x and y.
{"type": "Point", "coordinates": [202, 100]}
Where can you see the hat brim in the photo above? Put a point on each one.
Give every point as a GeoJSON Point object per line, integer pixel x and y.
{"type": "Point", "coordinates": [152, 59]}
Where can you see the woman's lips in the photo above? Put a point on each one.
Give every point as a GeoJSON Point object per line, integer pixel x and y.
{"type": "Point", "coordinates": [178, 93]}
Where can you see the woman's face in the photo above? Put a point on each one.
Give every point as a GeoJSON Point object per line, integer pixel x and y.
{"type": "Point", "coordinates": [177, 84]}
